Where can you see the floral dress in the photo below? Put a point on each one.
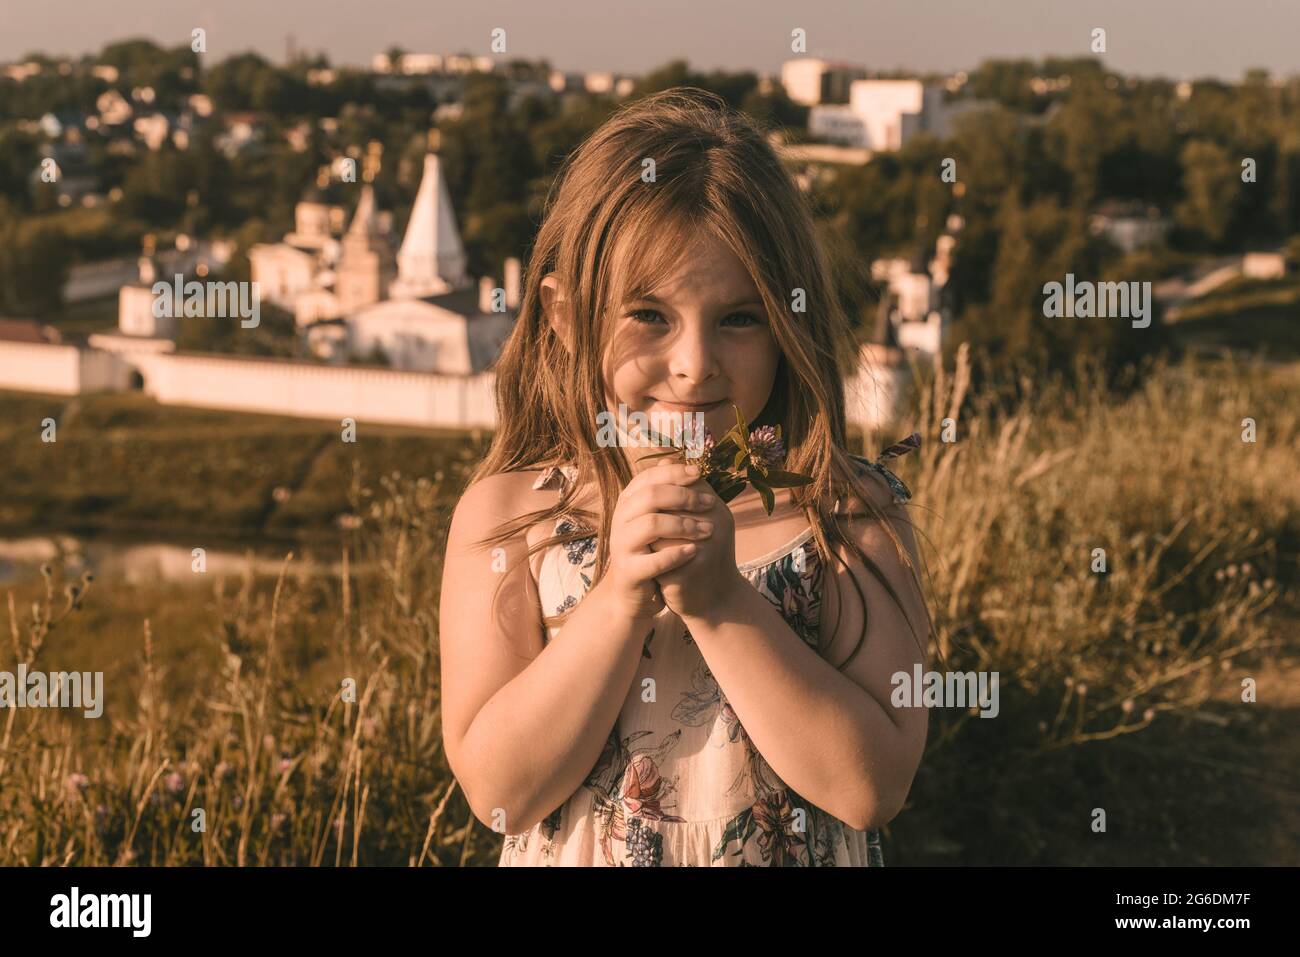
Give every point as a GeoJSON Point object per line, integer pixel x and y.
{"type": "Point", "coordinates": [679, 783]}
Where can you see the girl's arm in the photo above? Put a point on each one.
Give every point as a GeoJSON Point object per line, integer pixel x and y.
{"type": "Point", "coordinates": [524, 721]}
{"type": "Point", "coordinates": [831, 735]}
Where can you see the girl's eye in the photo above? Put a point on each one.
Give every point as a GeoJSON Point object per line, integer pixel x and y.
{"type": "Point", "coordinates": [648, 317]}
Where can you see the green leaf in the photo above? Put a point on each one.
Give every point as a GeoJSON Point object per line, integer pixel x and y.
{"type": "Point", "coordinates": [739, 433]}
{"type": "Point", "coordinates": [769, 500]}
{"type": "Point", "coordinates": [722, 450]}
{"type": "Point", "coordinates": [778, 478]}
{"type": "Point", "coordinates": [728, 489]}
{"type": "Point", "coordinates": [659, 455]}
{"type": "Point", "coordinates": [659, 439]}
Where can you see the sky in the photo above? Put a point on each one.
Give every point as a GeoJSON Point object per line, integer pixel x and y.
{"type": "Point", "coordinates": [1178, 39]}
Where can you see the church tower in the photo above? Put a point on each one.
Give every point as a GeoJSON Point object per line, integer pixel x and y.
{"type": "Point", "coordinates": [432, 259]}
{"type": "Point", "coordinates": [366, 267]}
{"type": "Point", "coordinates": [312, 217]}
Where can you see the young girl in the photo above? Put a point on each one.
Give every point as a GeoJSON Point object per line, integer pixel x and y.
{"type": "Point", "coordinates": [633, 672]}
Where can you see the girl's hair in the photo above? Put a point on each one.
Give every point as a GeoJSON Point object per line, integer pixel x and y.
{"type": "Point", "coordinates": [611, 235]}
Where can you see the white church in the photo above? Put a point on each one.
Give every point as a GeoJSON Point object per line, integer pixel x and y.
{"type": "Point", "coordinates": [353, 297]}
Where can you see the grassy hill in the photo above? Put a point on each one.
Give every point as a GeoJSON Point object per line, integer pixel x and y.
{"type": "Point", "coordinates": [124, 461]}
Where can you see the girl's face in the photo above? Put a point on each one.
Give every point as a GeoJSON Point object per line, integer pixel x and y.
{"type": "Point", "coordinates": [699, 343]}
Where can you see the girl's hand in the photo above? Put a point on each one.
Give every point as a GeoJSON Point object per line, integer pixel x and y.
{"type": "Point", "coordinates": [655, 506]}
{"type": "Point", "coordinates": [694, 585]}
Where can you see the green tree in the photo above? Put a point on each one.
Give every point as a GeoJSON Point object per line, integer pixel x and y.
{"type": "Point", "coordinates": [33, 267]}
{"type": "Point", "coordinates": [1212, 185]}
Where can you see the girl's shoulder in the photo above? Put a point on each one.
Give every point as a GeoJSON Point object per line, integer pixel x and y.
{"type": "Point", "coordinates": [499, 487]}
{"type": "Point", "coordinates": [503, 497]}
{"type": "Point", "coordinates": [493, 501]}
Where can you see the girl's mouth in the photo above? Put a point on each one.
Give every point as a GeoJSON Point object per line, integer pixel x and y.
{"type": "Point", "coordinates": [690, 407]}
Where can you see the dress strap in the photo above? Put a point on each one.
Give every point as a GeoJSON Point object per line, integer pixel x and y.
{"type": "Point", "coordinates": [561, 478]}
{"type": "Point", "coordinates": [556, 476]}
{"type": "Point", "coordinates": [902, 447]}
{"type": "Point", "coordinates": [910, 444]}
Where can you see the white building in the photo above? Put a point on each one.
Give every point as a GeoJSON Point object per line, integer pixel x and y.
{"type": "Point", "coordinates": [1263, 265]}
{"type": "Point", "coordinates": [153, 128]}
{"type": "Point", "coordinates": [912, 288]}
{"type": "Point", "coordinates": [366, 264]}
{"type": "Point", "coordinates": [294, 273]}
{"type": "Point", "coordinates": [874, 395]}
{"type": "Point", "coordinates": [438, 331]}
{"type": "Point", "coordinates": [462, 63]}
{"type": "Point", "coordinates": [242, 132]}
{"type": "Point", "coordinates": [135, 306]}
{"type": "Point", "coordinates": [408, 64]}
{"type": "Point", "coordinates": [603, 82]}
{"type": "Point", "coordinates": [452, 333]}
{"type": "Point", "coordinates": [355, 299]}
{"type": "Point", "coordinates": [838, 124]}
{"type": "Point", "coordinates": [913, 310]}
{"type": "Point", "coordinates": [114, 109]}
{"type": "Point", "coordinates": [433, 319]}
{"type": "Point", "coordinates": [431, 260]}
{"type": "Point", "coordinates": [22, 71]}
{"type": "Point", "coordinates": [561, 82]}
{"type": "Point", "coordinates": [1129, 225]}
{"type": "Point", "coordinates": [200, 103]}
{"type": "Point", "coordinates": [811, 81]}
{"type": "Point", "coordinates": [885, 114]}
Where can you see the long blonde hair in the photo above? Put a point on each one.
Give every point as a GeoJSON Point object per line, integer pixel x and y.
{"type": "Point", "coordinates": [609, 236]}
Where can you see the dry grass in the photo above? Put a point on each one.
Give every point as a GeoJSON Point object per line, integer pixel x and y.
{"type": "Point", "coordinates": [286, 764]}
{"type": "Point", "coordinates": [1198, 529]}
{"type": "Point", "coordinates": [1189, 516]}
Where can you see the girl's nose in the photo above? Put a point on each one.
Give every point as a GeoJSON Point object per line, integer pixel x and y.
{"type": "Point", "coordinates": [693, 357]}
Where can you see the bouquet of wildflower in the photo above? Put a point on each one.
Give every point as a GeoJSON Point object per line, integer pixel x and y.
{"type": "Point", "coordinates": [742, 457]}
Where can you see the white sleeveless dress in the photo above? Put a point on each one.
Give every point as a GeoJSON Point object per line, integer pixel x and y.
{"type": "Point", "coordinates": [679, 783]}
